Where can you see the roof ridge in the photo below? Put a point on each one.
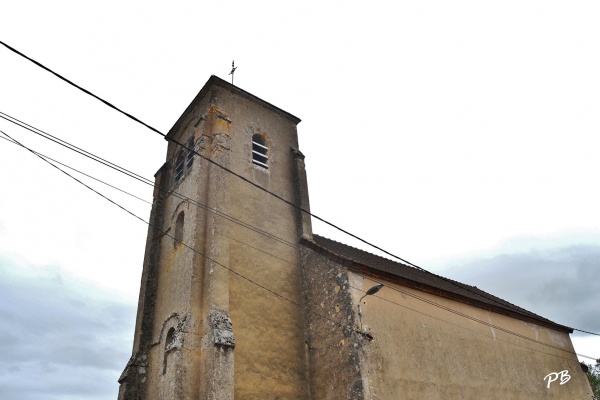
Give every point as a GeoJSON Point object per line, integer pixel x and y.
{"type": "Point", "coordinates": [364, 251]}
{"type": "Point", "coordinates": [401, 263]}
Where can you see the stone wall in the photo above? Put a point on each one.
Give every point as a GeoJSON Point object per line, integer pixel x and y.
{"type": "Point", "coordinates": [210, 325]}
{"type": "Point", "coordinates": [422, 351]}
{"type": "Point", "coordinates": [336, 347]}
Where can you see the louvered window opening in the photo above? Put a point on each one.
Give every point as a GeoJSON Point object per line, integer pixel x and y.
{"type": "Point", "coordinates": [190, 156]}
{"type": "Point", "coordinates": [179, 167]}
{"type": "Point", "coordinates": [259, 154]}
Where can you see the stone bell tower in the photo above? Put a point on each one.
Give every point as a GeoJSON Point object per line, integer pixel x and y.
{"type": "Point", "coordinates": [218, 314]}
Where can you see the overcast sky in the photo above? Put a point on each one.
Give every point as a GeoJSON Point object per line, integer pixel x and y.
{"type": "Point", "coordinates": [461, 136]}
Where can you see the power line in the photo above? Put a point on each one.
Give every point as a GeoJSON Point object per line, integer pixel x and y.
{"type": "Point", "coordinates": [70, 176]}
{"type": "Point", "coordinates": [216, 212]}
{"type": "Point", "coordinates": [138, 177]}
{"type": "Point", "coordinates": [449, 309]}
{"type": "Point", "coordinates": [298, 266]}
{"type": "Point", "coordinates": [72, 147]}
{"type": "Point", "coordinates": [193, 151]}
{"type": "Point", "coordinates": [147, 181]}
{"type": "Point", "coordinates": [134, 175]}
{"type": "Point", "coordinates": [591, 333]}
{"type": "Point", "coordinates": [79, 87]}
{"type": "Point", "coordinates": [155, 228]}
{"type": "Point", "coordinates": [76, 170]}
{"type": "Point", "coordinates": [204, 157]}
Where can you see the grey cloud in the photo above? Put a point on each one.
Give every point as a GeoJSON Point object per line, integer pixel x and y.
{"type": "Point", "coordinates": [560, 284]}
{"type": "Point", "coordinates": [58, 340]}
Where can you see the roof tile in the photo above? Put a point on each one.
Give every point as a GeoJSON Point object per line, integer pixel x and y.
{"type": "Point", "coordinates": [423, 277]}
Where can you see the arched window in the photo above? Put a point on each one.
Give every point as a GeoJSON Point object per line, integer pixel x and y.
{"type": "Point", "coordinates": [259, 151]}
{"type": "Point", "coordinates": [179, 166]}
{"type": "Point", "coordinates": [178, 237]}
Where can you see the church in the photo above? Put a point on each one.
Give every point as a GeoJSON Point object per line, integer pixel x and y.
{"type": "Point", "coordinates": [239, 299]}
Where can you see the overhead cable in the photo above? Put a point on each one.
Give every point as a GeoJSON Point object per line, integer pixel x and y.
{"type": "Point", "coordinates": [76, 170]}
{"type": "Point", "coordinates": [222, 214]}
{"type": "Point", "coordinates": [10, 139]}
{"type": "Point", "coordinates": [134, 175]}
{"type": "Point", "coordinates": [193, 151]}
{"type": "Point", "coordinates": [204, 157]}
{"type": "Point", "coordinates": [344, 326]}
{"type": "Point", "coordinates": [72, 147]}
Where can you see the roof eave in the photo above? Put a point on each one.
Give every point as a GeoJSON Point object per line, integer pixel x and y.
{"type": "Point", "coordinates": [386, 276]}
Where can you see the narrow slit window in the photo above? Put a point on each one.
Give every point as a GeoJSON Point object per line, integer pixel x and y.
{"type": "Point", "coordinates": [259, 151]}
{"type": "Point", "coordinates": [169, 339]}
{"type": "Point", "coordinates": [178, 237]}
{"type": "Point", "coordinates": [190, 156]}
{"type": "Point", "coordinates": [179, 167]}
{"type": "Point", "coordinates": [169, 342]}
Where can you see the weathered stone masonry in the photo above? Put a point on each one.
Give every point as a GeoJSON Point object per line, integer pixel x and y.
{"type": "Point", "coordinates": [240, 300]}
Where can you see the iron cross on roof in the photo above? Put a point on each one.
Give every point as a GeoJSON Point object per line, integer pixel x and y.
{"type": "Point", "coordinates": [233, 68]}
